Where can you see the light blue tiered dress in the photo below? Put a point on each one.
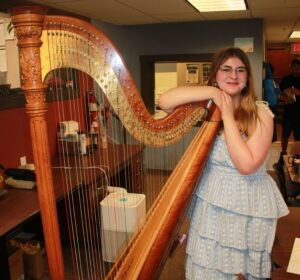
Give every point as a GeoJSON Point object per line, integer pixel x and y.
{"type": "Point", "coordinates": [233, 222]}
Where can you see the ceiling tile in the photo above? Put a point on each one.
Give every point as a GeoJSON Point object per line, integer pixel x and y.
{"type": "Point", "coordinates": [97, 8]}
{"type": "Point", "coordinates": [58, 1]}
{"type": "Point", "coordinates": [160, 6]}
{"type": "Point", "coordinates": [266, 4]}
{"type": "Point", "coordinates": [226, 15]}
{"type": "Point", "coordinates": [136, 20]}
{"type": "Point", "coordinates": [293, 3]}
{"type": "Point", "coordinates": [170, 17]}
{"type": "Point", "coordinates": [290, 14]}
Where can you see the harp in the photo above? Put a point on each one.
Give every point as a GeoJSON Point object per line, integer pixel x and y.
{"type": "Point", "coordinates": [53, 46]}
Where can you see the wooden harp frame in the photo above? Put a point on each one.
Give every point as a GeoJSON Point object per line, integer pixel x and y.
{"type": "Point", "coordinates": [143, 258]}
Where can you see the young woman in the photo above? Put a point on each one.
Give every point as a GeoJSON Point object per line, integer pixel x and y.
{"type": "Point", "coordinates": [237, 204]}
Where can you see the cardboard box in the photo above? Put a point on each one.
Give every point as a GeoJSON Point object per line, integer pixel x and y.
{"type": "Point", "coordinates": [73, 147]}
{"type": "Point", "coordinates": [68, 127]}
{"type": "Point", "coordinates": [69, 147]}
{"type": "Point", "coordinates": [16, 268]}
{"type": "Point", "coordinates": [35, 266]}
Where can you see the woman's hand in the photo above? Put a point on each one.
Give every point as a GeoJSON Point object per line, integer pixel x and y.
{"type": "Point", "coordinates": [226, 106]}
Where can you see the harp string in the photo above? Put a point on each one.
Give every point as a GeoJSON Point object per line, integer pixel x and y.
{"type": "Point", "coordinates": [127, 141]}
{"type": "Point", "coordinates": [85, 238]}
{"type": "Point", "coordinates": [69, 198]}
{"type": "Point", "coordinates": [70, 206]}
{"type": "Point", "coordinates": [74, 240]}
{"type": "Point", "coordinates": [89, 236]}
{"type": "Point", "coordinates": [98, 259]}
{"type": "Point", "coordinates": [95, 246]}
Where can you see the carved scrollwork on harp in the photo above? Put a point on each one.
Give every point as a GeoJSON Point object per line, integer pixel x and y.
{"type": "Point", "coordinates": [31, 69]}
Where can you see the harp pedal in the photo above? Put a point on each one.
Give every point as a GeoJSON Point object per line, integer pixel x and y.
{"type": "Point", "coordinates": [176, 244]}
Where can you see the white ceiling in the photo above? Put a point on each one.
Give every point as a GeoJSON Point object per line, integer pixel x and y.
{"type": "Point", "coordinates": [280, 16]}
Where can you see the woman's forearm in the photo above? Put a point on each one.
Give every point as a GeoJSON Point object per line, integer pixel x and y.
{"type": "Point", "coordinates": [248, 155]}
{"type": "Point", "coordinates": [175, 97]}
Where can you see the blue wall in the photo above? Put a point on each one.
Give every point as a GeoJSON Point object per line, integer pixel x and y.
{"type": "Point", "coordinates": [185, 38]}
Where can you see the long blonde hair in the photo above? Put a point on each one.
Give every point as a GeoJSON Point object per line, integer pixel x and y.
{"type": "Point", "coordinates": [245, 114]}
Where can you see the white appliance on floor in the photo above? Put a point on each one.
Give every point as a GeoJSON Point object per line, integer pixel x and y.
{"type": "Point", "coordinates": [121, 215]}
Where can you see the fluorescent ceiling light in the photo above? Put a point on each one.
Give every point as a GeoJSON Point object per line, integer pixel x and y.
{"type": "Point", "coordinates": [218, 5]}
{"type": "Point", "coordinates": [295, 34]}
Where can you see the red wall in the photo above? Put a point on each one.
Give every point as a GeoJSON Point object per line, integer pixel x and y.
{"type": "Point", "coordinates": [15, 133]}
{"type": "Point", "coordinates": [15, 130]}
{"type": "Point", "coordinates": [15, 137]}
{"type": "Point", "coordinates": [280, 59]}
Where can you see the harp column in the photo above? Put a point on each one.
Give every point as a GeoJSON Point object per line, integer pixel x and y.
{"type": "Point", "coordinates": [28, 24]}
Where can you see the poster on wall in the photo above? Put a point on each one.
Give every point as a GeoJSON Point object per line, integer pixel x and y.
{"type": "Point", "coordinates": [246, 44]}
{"type": "Point", "coordinates": [3, 64]}
{"type": "Point", "coordinates": [205, 72]}
{"type": "Point", "coordinates": [192, 74]}
{"type": "Point", "coordinates": [2, 41]}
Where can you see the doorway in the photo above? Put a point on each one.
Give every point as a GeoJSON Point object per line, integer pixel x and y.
{"type": "Point", "coordinates": [148, 72]}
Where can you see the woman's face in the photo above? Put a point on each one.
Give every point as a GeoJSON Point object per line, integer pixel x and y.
{"type": "Point", "coordinates": [232, 76]}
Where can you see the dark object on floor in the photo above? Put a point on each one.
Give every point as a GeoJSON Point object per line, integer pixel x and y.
{"type": "Point", "coordinates": [3, 192]}
{"type": "Point", "coordinates": [20, 174]}
{"type": "Point", "coordinates": [4, 89]}
{"type": "Point", "coordinates": [288, 195]}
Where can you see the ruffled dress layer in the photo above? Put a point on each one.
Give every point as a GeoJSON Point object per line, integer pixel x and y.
{"type": "Point", "coordinates": [233, 221]}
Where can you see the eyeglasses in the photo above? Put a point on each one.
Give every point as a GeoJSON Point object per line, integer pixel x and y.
{"type": "Point", "coordinates": [228, 70]}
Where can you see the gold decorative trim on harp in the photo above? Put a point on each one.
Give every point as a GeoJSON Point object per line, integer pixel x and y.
{"type": "Point", "coordinates": [95, 55]}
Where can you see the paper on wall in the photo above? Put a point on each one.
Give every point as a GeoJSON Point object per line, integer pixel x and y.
{"type": "Point", "coordinates": [2, 41]}
{"type": "Point", "coordinates": [294, 263]}
{"type": "Point", "coordinates": [3, 64]}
